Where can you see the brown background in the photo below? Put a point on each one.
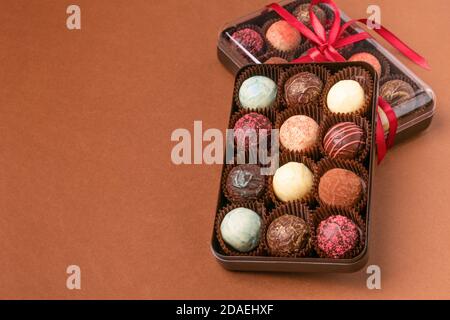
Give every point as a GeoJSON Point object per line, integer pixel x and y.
{"type": "Point", "coordinates": [85, 170]}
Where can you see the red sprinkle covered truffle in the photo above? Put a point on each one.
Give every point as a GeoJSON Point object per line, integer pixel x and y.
{"type": "Point", "coordinates": [250, 124]}
{"type": "Point", "coordinates": [250, 40]}
{"type": "Point", "coordinates": [336, 236]}
{"type": "Point", "coordinates": [369, 58]}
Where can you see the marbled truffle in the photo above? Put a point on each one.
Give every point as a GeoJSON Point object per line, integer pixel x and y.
{"type": "Point", "coordinates": [250, 40]}
{"type": "Point", "coordinates": [302, 14]}
{"type": "Point", "coordinates": [369, 58]}
{"type": "Point", "coordinates": [282, 36]}
{"type": "Point", "coordinates": [241, 228]}
{"type": "Point", "coordinates": [292, 181]}
{"type": "Point", "coordinates": [245, 182]}
{"type": "Point", "coordinates": [247, 129]}
{"type": "Point", "coordinates": [344, 140]}
{"type": "Point", "coordinates": [336, 236]}
{"type": "Point", "coordinates": [257, 92]}
{"type": "Point", "coordinates": [396, 92]}
{"type": "Point", "coordinates": [287, 235]}
{"type": "Point", "coordinates": [340, 187]}
{"type": "Point", "coordinates": [299, 132]}
{"type": "Point", "coordinates": [302, 88]}
{"type": "Point", "coordinates": [276, 60]}
{"type": "Point", "coordinates": [346, 96]}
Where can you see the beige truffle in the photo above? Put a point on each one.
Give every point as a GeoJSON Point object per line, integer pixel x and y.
{"type": "Point", "coordinates": [293, 181]}
{"type": "Point", "coordinates": [346, 96]}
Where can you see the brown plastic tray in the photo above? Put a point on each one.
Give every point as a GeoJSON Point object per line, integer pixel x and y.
{"type": "Point", "coordinates": [315, 264]}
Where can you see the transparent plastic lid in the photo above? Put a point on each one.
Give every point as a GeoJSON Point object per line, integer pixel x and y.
{"type": "Point", "coordinates": [263, 37]}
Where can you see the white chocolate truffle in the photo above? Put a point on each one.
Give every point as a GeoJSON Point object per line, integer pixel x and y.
{"type": "Point", "coordinates": [293, 181]}
{"type": "Point", "coordinates": [345, 96]}
{"type": "Point", "coordinates": [240, 228]}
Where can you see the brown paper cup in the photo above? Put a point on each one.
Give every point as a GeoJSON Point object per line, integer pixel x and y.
{"type": "Point", "coordinates": [334, 119]}
{"type": "Point", "coordinates": [270, 71]}
{"type": "Point", "coordinates": [286, 157]}
{"type": "Point", "coordinates": [259, 208]}
{"type": "Point", "coordinates": [327, 164]}
{"type": "Point", "coordinates": [319, 71]}
{"type": "Point", "coordinates": [262, 197]}
{"type": "Point", "coordinates": [239, 51]}
{"type": "Point", "coordinates": [311, 110]}
{"type": "Point", "coordinates": [295, 208]}
{"type": "Point", "coordinates": [351, 73]}
{"type": "Point", "coordinates": [323, 213]}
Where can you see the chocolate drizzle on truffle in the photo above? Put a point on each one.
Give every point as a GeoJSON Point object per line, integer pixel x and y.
{"type": "Point", "coordinates": [302, 88]}
{"type": "Point", "coordinates": [343, 140]}
{"type": "Point", "coordinates": [396, 92]}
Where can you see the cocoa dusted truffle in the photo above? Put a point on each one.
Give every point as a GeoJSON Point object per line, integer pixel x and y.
{"type": "Point", "coordinates": [344, 140]}
{"type": "Point", "coordinates": [340, 187]}
{"type": "Point", "coordinates": [246, 129]}
{"type": "Point", "coordinates": [299, 132]}
{"type": "Point", "coordinates": [282, 36]}
{"type": "Point", "coordinates": [245, 182]}
{"type": "Point", "coordinates": [287, 235]}
{"type": "Point", "coordinates": [396, 92]}
{"type": "Point", "coordinates": [276, 60]}
{"type": "Point", "coordinates": [369, 58]}
{"type": "Point", "coordinates": [302, 88]}
{"type": "Point", "coordinates": [250, 40]}
{"type": "Point", "coordinates": [302, 14]}
{"type": "Point", "coordinates": [241, 228]}
{"type": "Point", "coordinates": [336, 236]}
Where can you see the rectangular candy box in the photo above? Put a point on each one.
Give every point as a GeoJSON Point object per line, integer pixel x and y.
{"type": "Point", "coordinates": [312, 214]}
{"type": "Point", "coordinates": [255, 38]}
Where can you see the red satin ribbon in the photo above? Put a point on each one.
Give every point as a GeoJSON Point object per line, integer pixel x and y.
{"type": "Point", "coordinates": [325, 50]}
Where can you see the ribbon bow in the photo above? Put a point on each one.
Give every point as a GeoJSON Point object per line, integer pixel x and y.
{"type": "Point", "coordinates": [325, 49]}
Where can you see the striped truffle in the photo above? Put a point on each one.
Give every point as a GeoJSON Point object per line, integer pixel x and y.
{"type": "Point", "coordinates": [344, 140]}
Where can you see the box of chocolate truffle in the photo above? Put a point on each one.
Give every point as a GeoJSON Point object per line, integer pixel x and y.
{"type": "Point", "coordinates": [264, 37]}
{"type": "Point", "coordinates": [296, 183]}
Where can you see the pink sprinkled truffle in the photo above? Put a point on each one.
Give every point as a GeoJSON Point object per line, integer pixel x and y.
{"type": "Point", "coordinates": [250, 40]}
{"type": "Point", "coordinates": [336, 236]}
{"type": "Point", "coordinates": [251, 121]}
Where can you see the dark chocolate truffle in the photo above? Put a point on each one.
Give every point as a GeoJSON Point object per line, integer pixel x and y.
{"type": "Point", "coordinates": [302, 88]}
{"type": "Point", "coordinates": [396, 92]}
{"type": "Point", "coordinates": [249, 125]}
{"type": "Point", "coordinates": [282, 36]}
{"type": "Point", "coordinates": [344, 140]}
{"type": "Point", "coordinates": [340, 187]}
{"type": "Point", "coordinates": [287, 235]}
{"type": "Point", "coordinates": [336, 236]}
{"type": "Point", "coordinates": [250, 40]}
{"type": "Point", "coordinates": [302, 14]}
{"type": "Point", "coordinates": [245, 182]}
{"type": "Point", "coordinates": [276, 60]}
